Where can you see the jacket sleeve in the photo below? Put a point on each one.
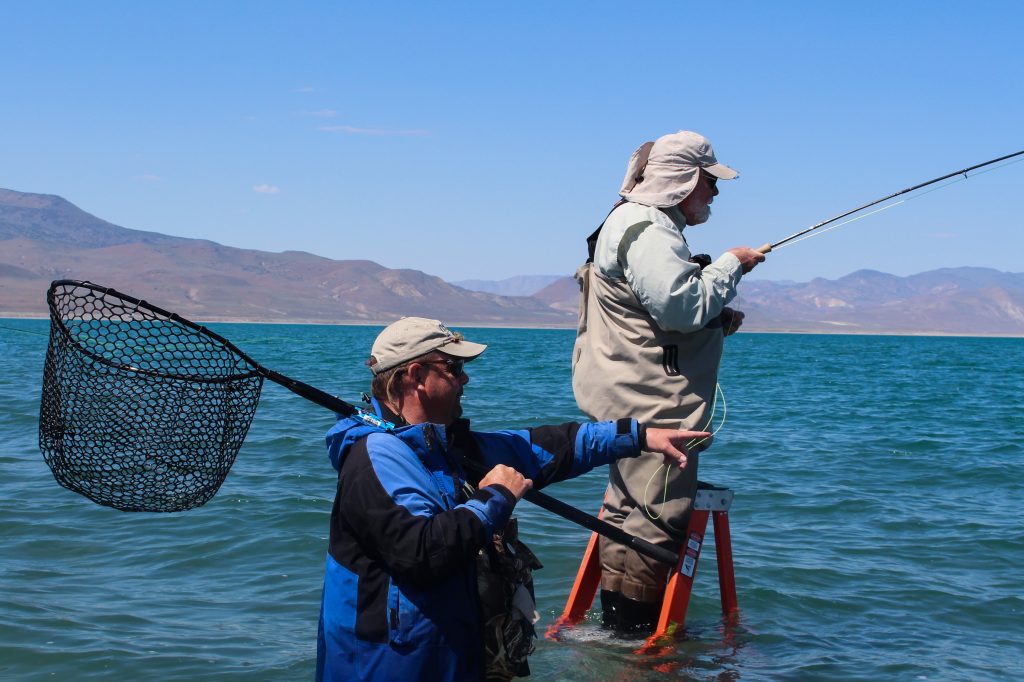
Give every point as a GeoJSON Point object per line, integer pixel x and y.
{"type": "Point", "coordinates": [677, 293]}
{"type": "Point", "coordinates": [394, 519]}
{"type": "Point", "coordinates": [548, 454]}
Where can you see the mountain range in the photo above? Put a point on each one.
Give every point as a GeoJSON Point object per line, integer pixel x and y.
{"type": "Point", "coordinates": [44, 237]}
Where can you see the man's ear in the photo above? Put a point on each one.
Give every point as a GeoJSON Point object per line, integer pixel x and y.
{"type": "Point", "coordinates": [416, 372]}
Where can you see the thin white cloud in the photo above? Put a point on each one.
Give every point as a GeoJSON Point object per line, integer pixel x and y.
{"type": "Point", "coordinates": [149, 177]}
{"type": "Point", "coordinates": [266, 189]}
{"type": "Point", "coordinates": [304, 88]}
{"type": "Point", "coordinates": [321, 113]}
{"type": "Point", "coordinates": [380, 132]}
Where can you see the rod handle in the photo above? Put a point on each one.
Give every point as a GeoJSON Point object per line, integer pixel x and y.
{"type": "Point", "coordinates": [767, 248]}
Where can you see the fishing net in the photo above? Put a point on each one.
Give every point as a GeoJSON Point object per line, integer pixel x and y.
{"type": "Point", "coordinates": [141, 410]}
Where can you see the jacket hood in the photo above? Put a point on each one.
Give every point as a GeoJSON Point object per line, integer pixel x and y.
{"type": "Point", "coordinates": [348, 431]}
{"type": "Point", "coordinates": [344, 434]}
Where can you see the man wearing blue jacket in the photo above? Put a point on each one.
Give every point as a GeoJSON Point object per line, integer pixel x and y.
{"type": "Point", "coordinates": [410, 518]}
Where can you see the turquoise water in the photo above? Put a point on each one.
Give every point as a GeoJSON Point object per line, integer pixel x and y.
{"type": "Point", "coordinates": [877, 526]}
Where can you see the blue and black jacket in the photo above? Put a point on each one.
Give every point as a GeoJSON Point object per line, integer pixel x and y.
{"type": "Point", "coordinates": [400, 594]}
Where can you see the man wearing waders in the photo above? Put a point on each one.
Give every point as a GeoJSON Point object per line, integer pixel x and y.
{"type": "Point", "coordinates": [651, 329]}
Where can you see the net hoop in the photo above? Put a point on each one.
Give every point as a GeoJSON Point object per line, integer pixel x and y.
{"type": "Point", "coordinates": [141, 410]}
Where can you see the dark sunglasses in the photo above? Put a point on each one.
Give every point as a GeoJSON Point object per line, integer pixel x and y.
{"type": "Point", "coordinates": [454, 367]}
{"type": "Point", "coordinates": [712, 180]}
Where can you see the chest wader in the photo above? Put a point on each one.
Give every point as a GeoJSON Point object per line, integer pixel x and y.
{"type": "Point", "coordinates": [623, 360]}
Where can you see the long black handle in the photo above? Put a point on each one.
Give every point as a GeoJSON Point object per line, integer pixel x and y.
{"type": "Point", "coordinates": [600, 527]}
{"type": "Point", "coordinates": [311, 393]}
{"type": "Point", "coordinates": [540, 499]}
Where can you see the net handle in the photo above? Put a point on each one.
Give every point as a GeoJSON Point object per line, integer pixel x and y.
{"type": "Point", "coordinates": [311, 393]}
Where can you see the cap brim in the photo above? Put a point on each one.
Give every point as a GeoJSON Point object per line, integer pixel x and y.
{"type": "Point", "coordinates": [463, 349]}
{"type": "Point", "coordinates": [722, 172]}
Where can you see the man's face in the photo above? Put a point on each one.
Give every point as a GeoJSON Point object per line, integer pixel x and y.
{"type": "Point", "coordinates": [697, 204]}
{"type": "Point", "coordinates": [441, 396]}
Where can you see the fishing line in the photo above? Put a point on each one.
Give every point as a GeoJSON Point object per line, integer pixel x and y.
{"type": "Point", "coordinates": [719, 393]}
{"type": "Point", "coordinates": [23, 331]}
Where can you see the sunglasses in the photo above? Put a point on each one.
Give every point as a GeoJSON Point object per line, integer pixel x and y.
{"type": "Point", "coordinates": [712, 180]}
{"type": "Point", "coordinates": [454, 367]}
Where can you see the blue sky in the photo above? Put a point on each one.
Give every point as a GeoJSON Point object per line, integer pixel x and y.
{"type": "Point", "coordinates": [486, 140]}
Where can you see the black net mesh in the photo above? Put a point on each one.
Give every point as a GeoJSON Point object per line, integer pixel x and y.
{"type": "Point", "coordinates": [140, 411]}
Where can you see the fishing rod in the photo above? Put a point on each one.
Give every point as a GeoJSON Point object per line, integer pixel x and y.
{"type": "Point", "coordinates": [770, 247]}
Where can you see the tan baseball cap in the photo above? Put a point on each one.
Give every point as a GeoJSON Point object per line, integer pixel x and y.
{"type": "Point", "coordinates": [664, 172]}
{"type": "Point", "coordinates": [412, 337]}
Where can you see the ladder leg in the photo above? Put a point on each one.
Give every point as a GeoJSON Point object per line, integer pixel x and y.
{"type": "Point", "coordinates": [680, 585]}
{"type": "Point", "coordinates": [726, 575]}
{"type": "Point", "coordinates": [588, 578]}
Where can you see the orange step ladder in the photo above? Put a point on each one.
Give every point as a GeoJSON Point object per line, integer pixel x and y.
{"type": "Point", "coordinates": [710, 501]}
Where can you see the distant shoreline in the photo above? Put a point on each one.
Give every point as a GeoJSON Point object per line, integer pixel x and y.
{"type": "Point", "coordinates": [485, 325]}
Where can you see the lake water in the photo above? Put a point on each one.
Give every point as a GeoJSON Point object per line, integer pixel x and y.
{"type": "Point", "coordinates": [878, 527]}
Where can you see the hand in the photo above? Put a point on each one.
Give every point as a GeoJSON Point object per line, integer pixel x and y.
{"type": "Point", "coordinates": [732, 320]}
{"type": "Point", "coordinates": [749, 257]}
{"type": "Point", "coordinates": [672, 443]}
{"type": "Point", "coordinates": [515, 482]}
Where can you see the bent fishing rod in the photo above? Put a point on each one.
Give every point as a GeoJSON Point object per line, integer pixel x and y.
{"type": "Point", "coordinates": [770, 247]}
{"type": "Point", "coordinates": [144, 410]}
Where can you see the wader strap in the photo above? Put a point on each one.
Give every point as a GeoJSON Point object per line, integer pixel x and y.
{"type": "Point", "coordinates": [592, 239]}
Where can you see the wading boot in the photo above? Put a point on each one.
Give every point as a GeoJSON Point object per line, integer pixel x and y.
{"type": "Point", "coordinates": [636, 617]}
{"type": "Point", "coordinates": [609, 605]}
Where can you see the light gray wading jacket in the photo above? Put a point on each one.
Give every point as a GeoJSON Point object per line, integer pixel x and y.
{"type": "Point", "coordinates": [649, 339]}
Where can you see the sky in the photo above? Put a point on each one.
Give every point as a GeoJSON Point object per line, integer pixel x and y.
{"type": "Point", "coordinates": [487, 140]}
